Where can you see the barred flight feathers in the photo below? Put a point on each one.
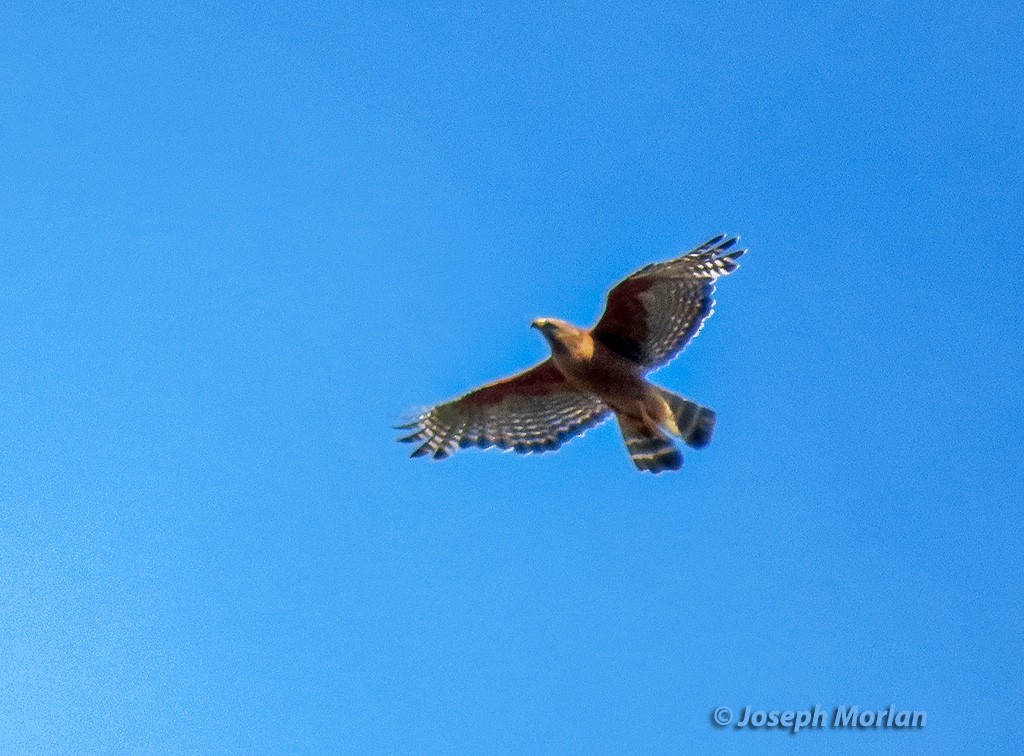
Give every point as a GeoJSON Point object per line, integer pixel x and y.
{"type": "Point", "coordinates": [533, 411]}
{"type": "Point", "coordinates": [655, 312]}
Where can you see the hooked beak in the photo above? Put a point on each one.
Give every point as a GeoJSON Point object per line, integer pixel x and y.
{"type": "Point", "coordinates": [539, 324]}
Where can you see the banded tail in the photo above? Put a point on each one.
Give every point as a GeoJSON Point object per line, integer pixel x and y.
{"type": "Point", "coordinates": [694, 423]}
{"type": "Point", "coordinates": [650, 449]}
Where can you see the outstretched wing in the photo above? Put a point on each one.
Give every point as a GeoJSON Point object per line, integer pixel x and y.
{"type": "Point", "coordinates": [533, 411]}
{"type": "Point", "coordinates": [651, 315]}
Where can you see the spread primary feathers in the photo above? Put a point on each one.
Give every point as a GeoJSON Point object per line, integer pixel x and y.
{"type": "Point", "coordinates": [591, 374]}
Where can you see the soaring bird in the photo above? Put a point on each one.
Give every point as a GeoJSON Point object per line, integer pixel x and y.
{"type": "Point", "coordinates": [649, 318]}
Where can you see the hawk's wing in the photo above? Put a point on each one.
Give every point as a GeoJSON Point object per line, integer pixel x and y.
{"type": "Point", "coordinates": [651, 315]}
{"type": "Point", "coordinates": [533, 411]}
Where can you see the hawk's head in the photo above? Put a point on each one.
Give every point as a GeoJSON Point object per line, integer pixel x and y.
{"type": "Point", "coordinates": [561, 336]}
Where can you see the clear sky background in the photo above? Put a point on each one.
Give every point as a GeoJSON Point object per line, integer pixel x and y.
{"type": "Point", "coordinates": [240, 240]}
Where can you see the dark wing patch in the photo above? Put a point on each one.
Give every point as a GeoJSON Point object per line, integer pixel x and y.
{"type": "Point", "coordinates": [651, 315]}
{"type": "Point", "coordinates": [533, 411]}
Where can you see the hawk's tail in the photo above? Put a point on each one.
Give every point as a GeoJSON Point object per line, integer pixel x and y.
{"type": "Point", "coordinates": [650, 449]}
{"type": "Point", "coordinates": [694, 423]}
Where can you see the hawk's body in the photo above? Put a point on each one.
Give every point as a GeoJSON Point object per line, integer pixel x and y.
{"type": "Point", "coordinates": [616, 380]}
{"type": "Point", "coordinates": [650, 316]}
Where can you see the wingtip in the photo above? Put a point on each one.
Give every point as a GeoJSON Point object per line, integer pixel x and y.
{"type": "Point", "coordinates": [715, 245]}
{"type": "Point", "coordinates": [421, 451]}
{"type": "Point", "coordinates": [730, 258]}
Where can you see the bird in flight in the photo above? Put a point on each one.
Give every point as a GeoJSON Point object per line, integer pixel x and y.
{"type": "Point", "coordinates": [592, 374]}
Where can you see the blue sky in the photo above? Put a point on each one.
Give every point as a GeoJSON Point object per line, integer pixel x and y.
{"type": "Point", "coordinates": [240, 240]}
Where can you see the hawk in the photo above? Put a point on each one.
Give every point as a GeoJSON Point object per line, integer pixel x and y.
{"type": "Point", "coordinates": [649, 318]}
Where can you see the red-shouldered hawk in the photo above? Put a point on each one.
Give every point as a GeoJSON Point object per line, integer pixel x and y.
{"type": "Point", "coordinates": [648, 319]}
